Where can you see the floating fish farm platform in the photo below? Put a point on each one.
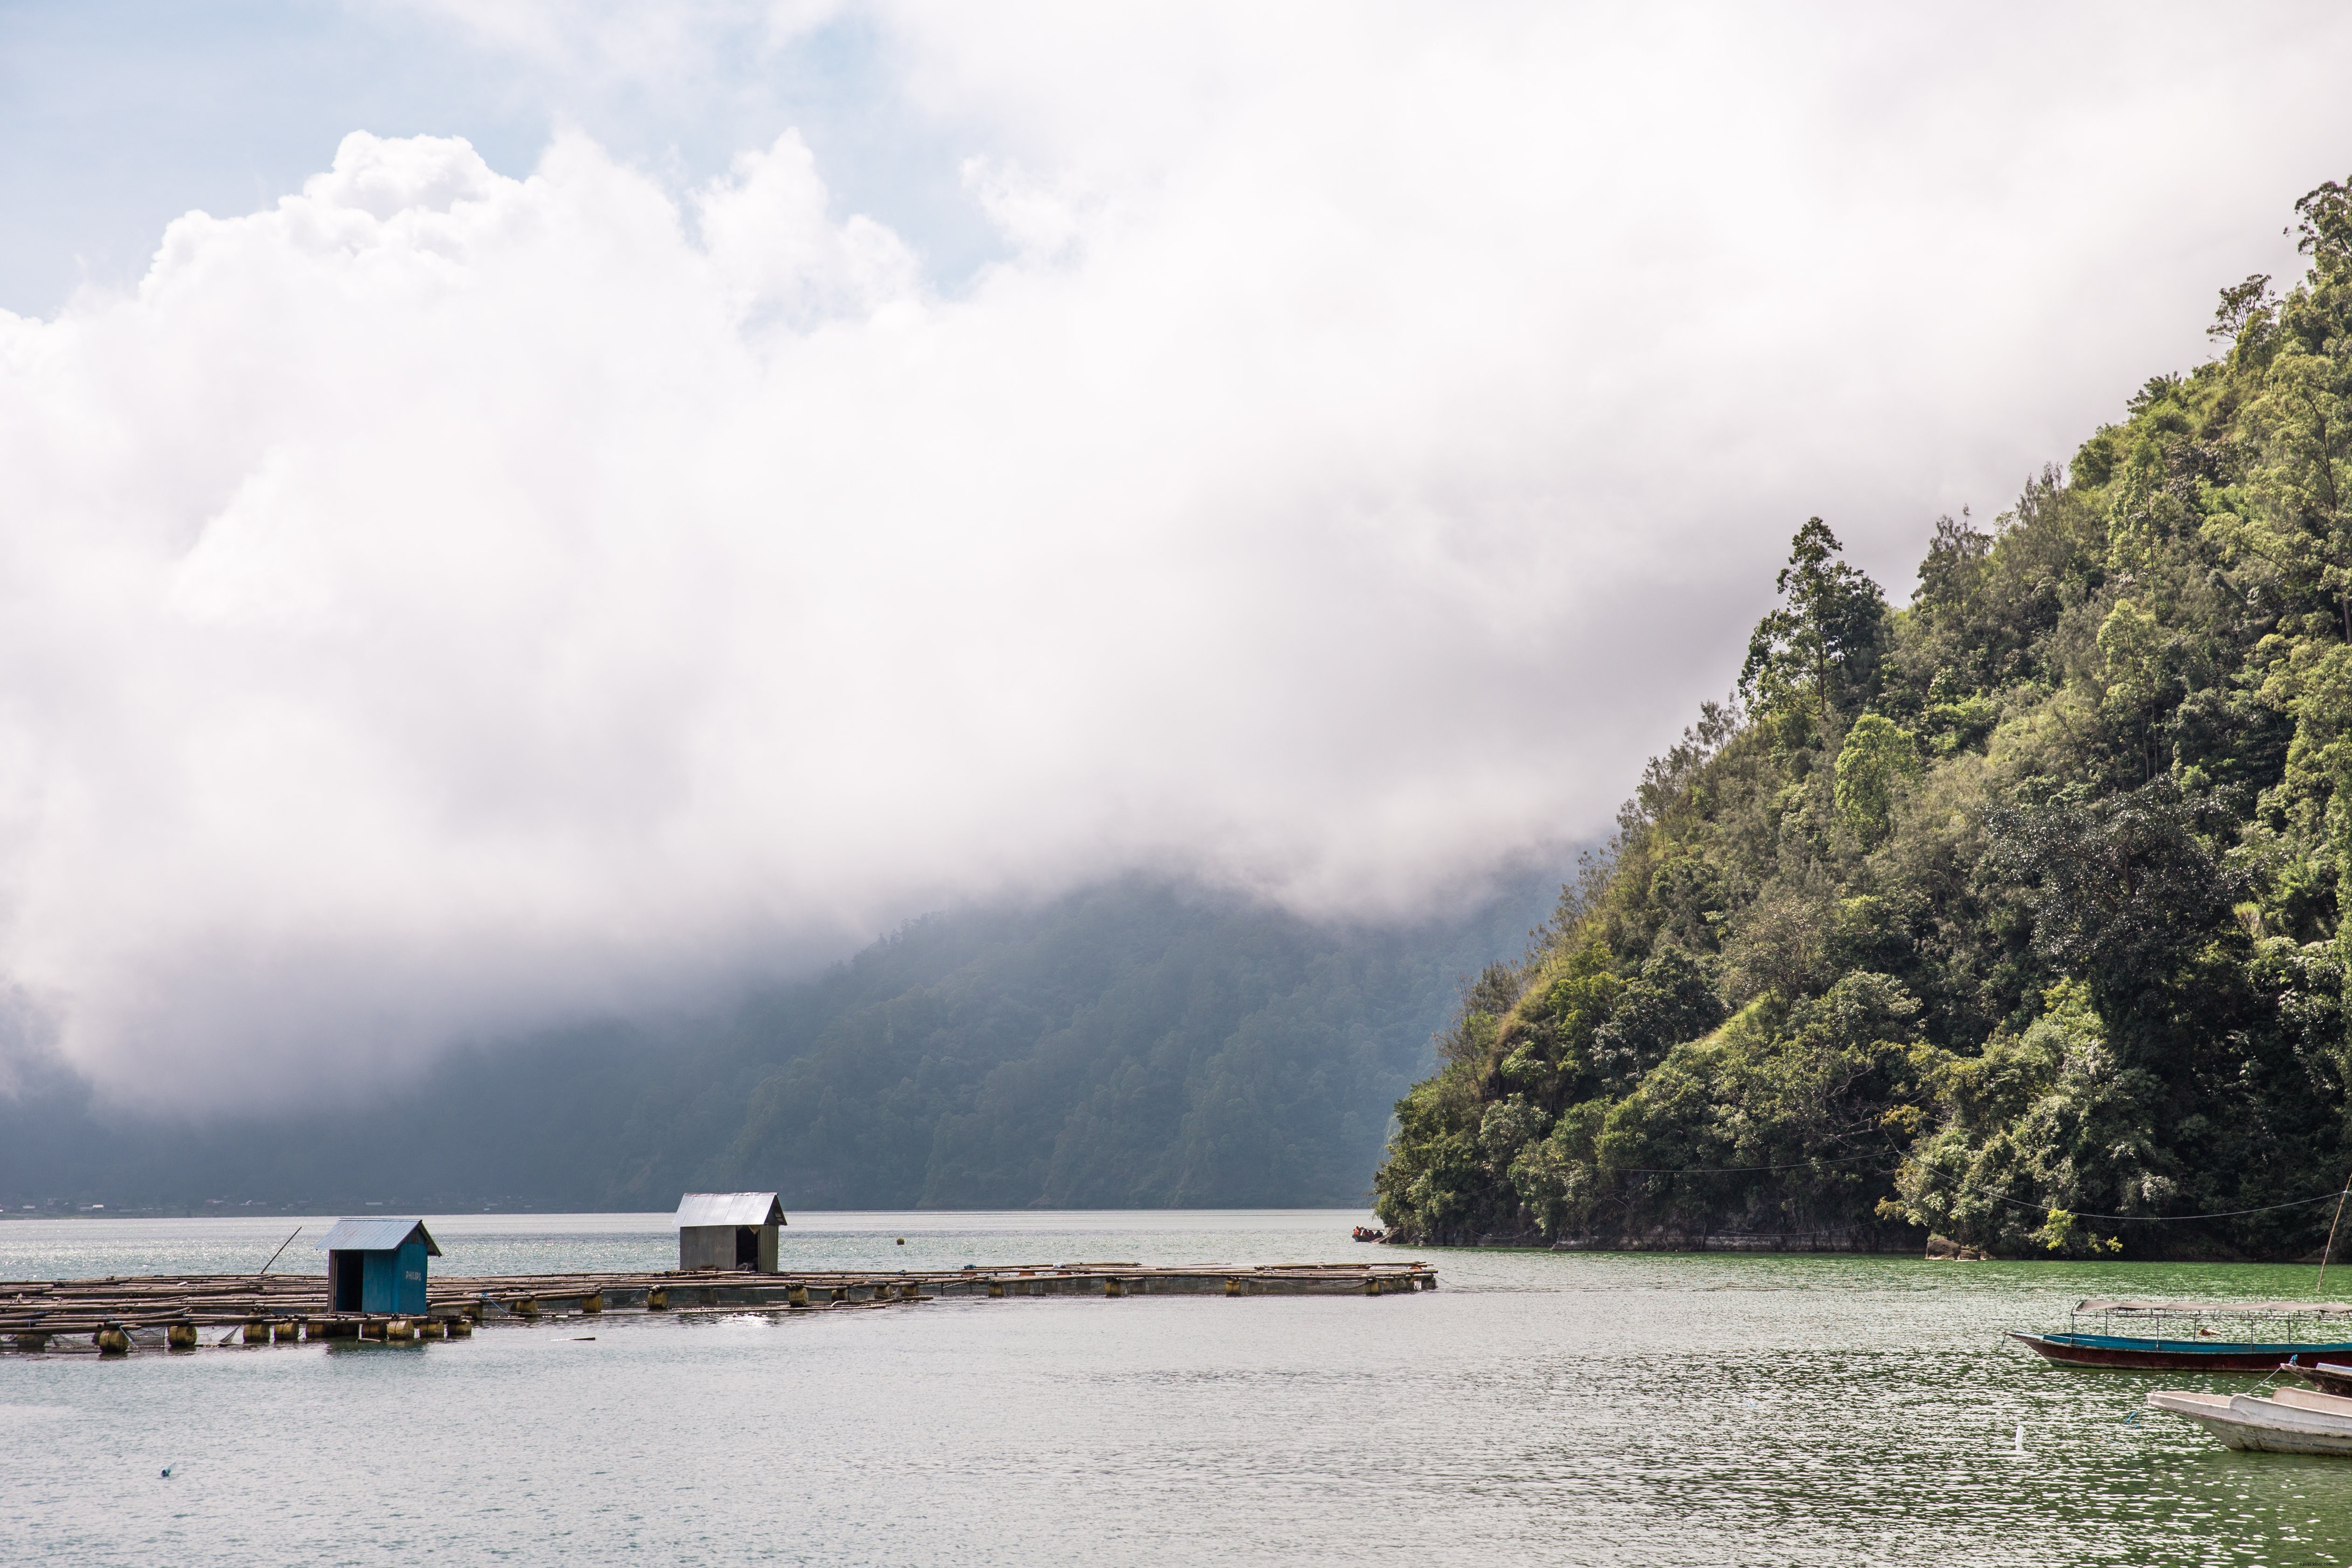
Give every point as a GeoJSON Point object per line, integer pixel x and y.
{"type": "Point", "coordinates": [113, 1316]}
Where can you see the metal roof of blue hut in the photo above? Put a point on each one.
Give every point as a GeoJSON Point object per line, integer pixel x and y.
{"type": "Point", "coordinates": [376, 1236]}
{"type": "Point", "coordinates": [730, 1208]}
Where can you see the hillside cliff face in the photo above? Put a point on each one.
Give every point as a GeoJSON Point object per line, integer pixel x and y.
{"type": "Point", "coordinates": [2015, 915]}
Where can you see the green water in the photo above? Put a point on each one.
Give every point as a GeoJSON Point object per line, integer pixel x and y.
{"type": "Point", "coordinates": [1539, 1407]}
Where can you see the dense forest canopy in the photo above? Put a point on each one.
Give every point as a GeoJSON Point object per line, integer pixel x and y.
{"type": "Point", "coordinates": [2015, 915]}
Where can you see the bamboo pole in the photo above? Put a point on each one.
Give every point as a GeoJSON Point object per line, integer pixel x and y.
{"type": "Point", "coordinates": [2320, 1289]}
{"type": "Point", "coordinates": [281, 1246]}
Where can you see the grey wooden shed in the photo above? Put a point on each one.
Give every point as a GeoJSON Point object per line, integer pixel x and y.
{"type": "Point", "coordinates": [728, 1230]}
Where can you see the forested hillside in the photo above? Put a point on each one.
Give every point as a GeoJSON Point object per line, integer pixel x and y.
{"type": "Point", "coordinates": [1135, 1044]}
{"type": "Point", "coordinates": [2014, 915]}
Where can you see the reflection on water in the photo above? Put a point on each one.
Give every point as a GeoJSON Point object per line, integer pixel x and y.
{"type": "Point", "coordinates": [1539, 1407]}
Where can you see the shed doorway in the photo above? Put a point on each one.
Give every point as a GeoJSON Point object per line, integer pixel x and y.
{"type": "Point", "coordinates": [347, 1272]}
{"type": "Point", "coordinates": [747, 1247]}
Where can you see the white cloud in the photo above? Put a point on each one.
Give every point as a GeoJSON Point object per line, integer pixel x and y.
{"type": "Point", "coordinates": [777, 252]}
{"type": "Point", "coordinates": [447, 601]}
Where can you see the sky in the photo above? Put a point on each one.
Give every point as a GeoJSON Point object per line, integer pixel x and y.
{"type": "Point", "coordinates": [513, 511]}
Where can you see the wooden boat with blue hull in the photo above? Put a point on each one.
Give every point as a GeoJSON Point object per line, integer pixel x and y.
{"type": "Point", "coordinates": [2133, 1352]}
{"type": "Point", "coordinates": [2196, 1336]}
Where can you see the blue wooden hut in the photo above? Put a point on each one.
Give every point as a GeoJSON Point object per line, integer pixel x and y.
{"type": "Point", "coordinates": [377, 1265]}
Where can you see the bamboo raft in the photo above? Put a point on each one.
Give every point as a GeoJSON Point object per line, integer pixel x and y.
{"type": "Point", "coordinates": [114, 1316]}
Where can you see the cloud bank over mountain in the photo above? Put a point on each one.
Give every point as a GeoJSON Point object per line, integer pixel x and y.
{"type": "Point", "coordinates": [452, 599]}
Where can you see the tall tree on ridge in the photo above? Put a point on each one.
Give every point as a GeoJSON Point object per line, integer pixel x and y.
{"type": "Point", "coordinates": [1825, 631]}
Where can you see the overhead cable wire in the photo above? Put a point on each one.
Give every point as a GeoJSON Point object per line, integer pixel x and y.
{"type": "Point", "coordinates": [1968, 1186]}
{"type": "Point", "coordinates": [2125, 1218]}
{"type": "Point", "coordinates": [1733, 1170]}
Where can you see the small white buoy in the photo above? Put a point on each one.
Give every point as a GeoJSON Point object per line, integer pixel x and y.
{"type": "Point", "coordinates": [2020, 1437]}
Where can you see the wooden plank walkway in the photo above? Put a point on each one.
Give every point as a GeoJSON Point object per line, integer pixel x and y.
{"type": "Point", "coordinates": [115, 1316]}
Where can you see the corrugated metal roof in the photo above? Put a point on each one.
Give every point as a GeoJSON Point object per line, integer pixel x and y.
{"type": "Point", "coordinates": [376, 1236]}
{"type": "Point", "coordinates": [730, 1208]}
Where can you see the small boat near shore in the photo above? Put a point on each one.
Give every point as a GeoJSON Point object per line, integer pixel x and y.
{"type": "Point", "coordinates": [2196, 1336]}
{"type": "Point", "coordinates": [2290, 1421]}
{"type": "Point", "coordinates": [2328, 1377]}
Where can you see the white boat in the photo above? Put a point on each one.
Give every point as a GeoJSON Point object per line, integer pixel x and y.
{"type": "Point", "coordinates": [2291, 1421]}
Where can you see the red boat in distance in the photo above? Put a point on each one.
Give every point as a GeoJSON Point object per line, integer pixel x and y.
{"type": "Point", "coordinates": [2196, 1336]}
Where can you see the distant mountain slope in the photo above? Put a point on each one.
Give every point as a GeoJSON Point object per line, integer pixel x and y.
{"type": "Point", "coordinates": [1130, 1045]}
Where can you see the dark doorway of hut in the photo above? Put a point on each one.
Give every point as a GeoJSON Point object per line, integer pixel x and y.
{"type": "Point", "coordinates": [346, 1272]}
{"type": "Point", "coordinates": [747, 1247]}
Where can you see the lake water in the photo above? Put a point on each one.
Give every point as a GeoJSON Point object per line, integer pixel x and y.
{"type": "Point", "coordinates": [1538, 1407]}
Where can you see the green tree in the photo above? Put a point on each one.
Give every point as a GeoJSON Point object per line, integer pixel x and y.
{"type": "Point", "coordinates": [2121, 888]}
{"type": "Point", "coordinates": [2300, 414]}
{"type": "Point", "coordinates": [1876, 755]}
{"type": "Point", "coordinates": [2136, 665]}
{"type": "Point", "coordinates": [1823, 638]}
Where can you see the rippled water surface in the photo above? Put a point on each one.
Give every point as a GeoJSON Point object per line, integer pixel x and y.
{"type": "Point", "coordinates": [1539, 1407]}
